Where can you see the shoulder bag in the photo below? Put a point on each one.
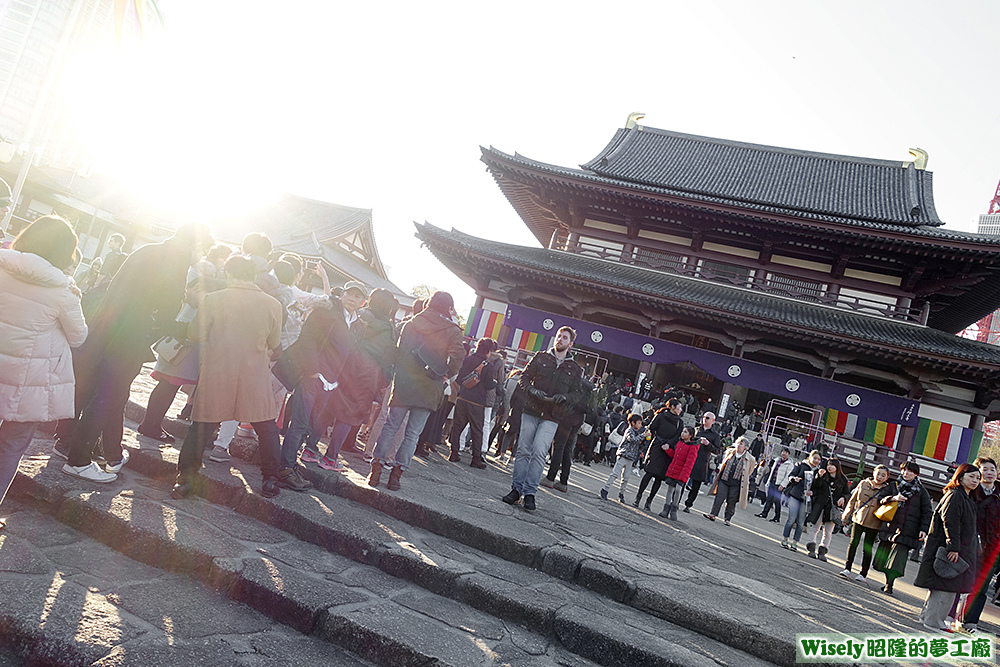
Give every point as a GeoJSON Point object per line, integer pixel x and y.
{"type": "Point", "coordinates": [473, 378]}
{"type": "Point", "coordinates": [887, 510]}
{"type": "Point", "coordinates": [617, 436]}
{"type": "Point", "coordinates": [433, 365]}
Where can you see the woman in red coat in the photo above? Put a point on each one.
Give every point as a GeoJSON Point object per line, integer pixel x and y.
{"type": "Point", "coordinates": [684, 454]}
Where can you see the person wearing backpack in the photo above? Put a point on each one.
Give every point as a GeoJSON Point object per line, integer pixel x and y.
{"type": "Point", "coordinates": [430, 350]}
{"type": "Point", "coordinates": [475, 379]}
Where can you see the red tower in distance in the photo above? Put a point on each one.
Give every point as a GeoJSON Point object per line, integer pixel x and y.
{"type": "Point", "coordinates": [995, 204]}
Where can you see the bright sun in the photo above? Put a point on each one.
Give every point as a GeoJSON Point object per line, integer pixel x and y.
{"type": "Point", "coordinates": [170, 131]}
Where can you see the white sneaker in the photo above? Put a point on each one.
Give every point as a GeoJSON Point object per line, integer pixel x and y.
{"type": "Point", "coordinates": [118, 466]}
{"type": "Point", "coordinates": [860, 579]}
{"type": "Point", "coordinates": [846, 574]}
{"type": "Point", "coordinates": [90, 472]}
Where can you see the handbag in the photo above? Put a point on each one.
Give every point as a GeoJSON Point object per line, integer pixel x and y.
{"type": "Point", "coordinates": [837, 516]}
{"type": "Point", "coordinates": [586, 428]}
{"type": "Point", "coordinates": [617, 436]}
{"type": "Point", "coordinates": [944, 568]}
{"type": "Point", "coordinates": [171, 349]}
{"type": "Point", "coordinates": [887, 510]}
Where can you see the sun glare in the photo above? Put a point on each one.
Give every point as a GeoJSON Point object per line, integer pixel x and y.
{"type": "Point", "coordinates": [164, 129]}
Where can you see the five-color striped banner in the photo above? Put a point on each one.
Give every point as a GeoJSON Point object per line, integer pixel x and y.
{"type": "Point", "coordinates": [526, 340]}
{"type": "Point", "coordinates": [933, 439]}
{"type": "Point", "coordinates": [483, 323]}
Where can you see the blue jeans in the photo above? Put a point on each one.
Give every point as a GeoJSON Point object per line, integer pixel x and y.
{"type": "Point", "coordinates": [796, 517]}
{"type": "Point", "coordinates": [299, 431]}
{"type": "Point", "coordinates": [532, 448]}
{"type": "Point", "coordinates": [337, 438]}
{"type": "Point", "coordinates": [14, 440]}
{"type": "Point", "coordinates": [414, 427]}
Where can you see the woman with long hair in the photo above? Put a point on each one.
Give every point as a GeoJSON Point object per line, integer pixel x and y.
{"type": "Point", "coordinates": [40, 320]}
{"type": "Point", "coordinates": [953, 528]}
{"type": "Point", "coordinates": [800, 491]}
{"type": "Point", "coordinates": [830, 490]}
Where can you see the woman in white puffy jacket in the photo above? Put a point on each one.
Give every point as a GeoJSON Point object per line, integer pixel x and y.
{"type": "Point", "coordinates": [40, 319]}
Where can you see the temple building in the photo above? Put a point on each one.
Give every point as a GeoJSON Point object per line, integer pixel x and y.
{"type": "Point", "coordinates": [825, 281]}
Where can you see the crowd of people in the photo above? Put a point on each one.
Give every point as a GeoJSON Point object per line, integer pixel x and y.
{"type": "Point", "coordinates": [234, 330]}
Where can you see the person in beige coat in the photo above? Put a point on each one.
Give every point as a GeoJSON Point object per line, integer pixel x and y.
{"type": "Point", "coordinates": [40, 320]}
{"type": "Point", "coordinates": [238, 328]}
{"type": "Point", "coordinates": [732, 483]}
{"type": "Point", "coordinates": [865, 500]}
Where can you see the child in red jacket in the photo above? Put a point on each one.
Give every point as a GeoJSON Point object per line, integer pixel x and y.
{"type": "Point", "coordinates": [684, 454]}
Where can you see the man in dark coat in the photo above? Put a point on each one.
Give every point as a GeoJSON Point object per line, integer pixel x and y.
{"type": "Point", "coordinates": [757, 447]}
{"type": "Point", "coordinates": [710, 443]}
{"type": "Point", "coordinates": [140, 306]}
{"type": "Point", "coordinates": [470, 408]}
{"type": "Point", "coordinates": [430, 350]}
{"type": "Point", "coordinates": [548, 383]}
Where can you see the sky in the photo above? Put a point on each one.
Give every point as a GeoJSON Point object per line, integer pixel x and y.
{"type": "Point", "coordinates": [385, 105]}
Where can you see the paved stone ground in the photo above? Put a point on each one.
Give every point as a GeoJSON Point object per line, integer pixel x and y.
{"type": "Point", "coordinates": [576, 571]}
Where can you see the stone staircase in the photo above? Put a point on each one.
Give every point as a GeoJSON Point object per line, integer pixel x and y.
{"type": "Point", "coordinates": [394, 579]}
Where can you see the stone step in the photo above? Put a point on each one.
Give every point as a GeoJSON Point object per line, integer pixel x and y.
{"type": "Point", "coordinates": [668, 592]}
{"type": "Point", "coordinates": [580, 621]}
{"type": "Point", "coordinates": [354, 606]}
{"type": "Point", "coordinates": [68, 599]}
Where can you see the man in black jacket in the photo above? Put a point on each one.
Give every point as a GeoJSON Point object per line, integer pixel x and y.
{"type": "Point", "coordinates": [470, 408]}
{"type": "Point", "coordinates": [548, 383]}
{"type": "Point", "coordinates": [710, 444]}
{"type": "Point", "coordinates": [140, 306]}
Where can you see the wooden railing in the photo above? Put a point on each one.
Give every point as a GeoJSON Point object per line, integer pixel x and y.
{"type": "Point", "coordinates": [934, 474]}
{"type": "Point", "coordinates": [675, 264]}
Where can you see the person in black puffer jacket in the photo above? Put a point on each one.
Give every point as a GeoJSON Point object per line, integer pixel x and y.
{"type": "Point", "coordinates": [666, 430]}
{"type": "Point", "coordinates": [907, 528]}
